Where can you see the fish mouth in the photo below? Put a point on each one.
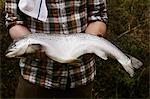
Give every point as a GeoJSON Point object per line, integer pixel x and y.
{"type": "Point", "coordinates": [7, 52]}
{"type": "Point", "coordinates": [10, 53]}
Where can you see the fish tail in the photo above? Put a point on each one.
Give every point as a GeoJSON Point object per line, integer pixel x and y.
{"type": "Point", "coordinates": [135, 62]}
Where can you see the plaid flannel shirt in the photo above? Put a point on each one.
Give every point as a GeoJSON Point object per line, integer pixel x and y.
{"type": "Point", "coordinates": [64, 16]}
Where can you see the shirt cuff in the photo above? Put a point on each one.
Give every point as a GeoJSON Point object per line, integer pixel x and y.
{"type": "Point", "coordinates": [12, 21]}
{"type": "Point", "coordinates": [98, 18]}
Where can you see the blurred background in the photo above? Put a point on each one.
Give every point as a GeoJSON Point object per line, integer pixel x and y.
{"type": "Point", "coordinates": [128, 29]}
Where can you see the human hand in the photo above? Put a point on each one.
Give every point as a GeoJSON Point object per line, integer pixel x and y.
{"type": "Point", "coordinates": [18, 31]}
{"type": "Point", "coordinates": [97, 28]}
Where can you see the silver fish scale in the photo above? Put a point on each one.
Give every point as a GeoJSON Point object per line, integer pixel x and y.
{"type": "Point", "coordinates": [58, 37]}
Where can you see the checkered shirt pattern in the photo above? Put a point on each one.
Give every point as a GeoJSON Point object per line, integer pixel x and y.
{"type": "Point", "coordinates": [64, 17]}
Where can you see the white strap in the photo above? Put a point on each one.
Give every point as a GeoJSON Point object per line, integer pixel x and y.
{"type": "Point", "coordinates": [34, 8]}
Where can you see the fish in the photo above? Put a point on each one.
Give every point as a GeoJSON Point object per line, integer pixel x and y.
{"type": "Point", "coordinates": [66, 48]}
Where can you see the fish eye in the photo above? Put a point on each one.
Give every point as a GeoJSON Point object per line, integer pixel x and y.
{"type": "Point", "coordinates": [14, 45]}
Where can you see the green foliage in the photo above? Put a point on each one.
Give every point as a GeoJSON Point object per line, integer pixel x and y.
{"type": "Point", "coordinates": [126, 14]}
{"type": "Point", "coordinates": [128, 28]}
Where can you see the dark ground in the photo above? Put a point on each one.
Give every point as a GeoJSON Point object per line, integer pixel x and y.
{"type": "Point", "coordinates": [128, 28]}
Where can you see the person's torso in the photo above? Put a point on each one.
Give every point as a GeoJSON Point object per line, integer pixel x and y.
{"type": "Point", "coordinates": [64, 16]}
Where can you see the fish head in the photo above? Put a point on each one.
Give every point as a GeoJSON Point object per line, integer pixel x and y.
{"type": "Point", "coordinates": [17, 48]}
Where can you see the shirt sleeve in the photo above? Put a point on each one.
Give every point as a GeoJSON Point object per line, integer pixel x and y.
{"type": "Point", "coordinates": [97, 10]}
{"type": "Point", "coordinates": [13, 14]}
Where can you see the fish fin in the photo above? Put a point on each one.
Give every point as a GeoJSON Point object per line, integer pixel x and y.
{"type": "Point", "coordinates": [101, 54]}
{"type": "Point", "coordinates": [32, 48]}
{"type": "Point", "coordinates": [135, 62]}
{"type": "Point", "coordinates": [129, 68]}
{"type": "Point", "coordinates": [76, 62]}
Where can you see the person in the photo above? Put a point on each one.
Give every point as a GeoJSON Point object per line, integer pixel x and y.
{"type": "Point", "coordinates": [42, 77]}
